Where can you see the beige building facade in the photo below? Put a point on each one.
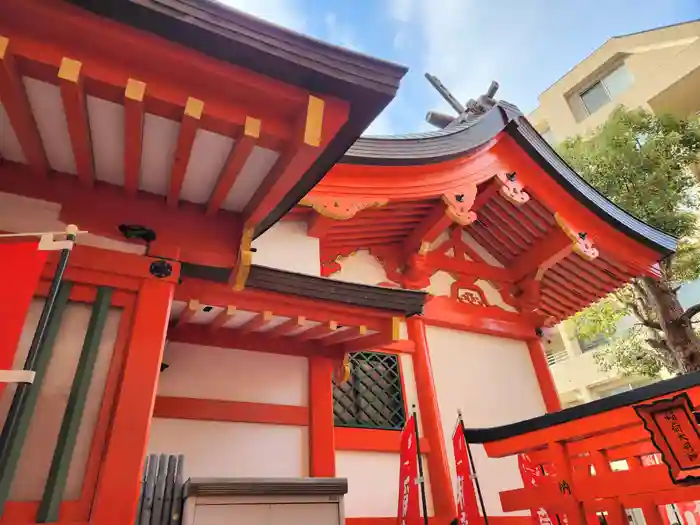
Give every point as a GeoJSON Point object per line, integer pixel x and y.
{"type": "Point", "coordinates": [658, 70]}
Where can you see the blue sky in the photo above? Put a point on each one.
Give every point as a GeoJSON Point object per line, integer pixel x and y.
{"type": "Point", "coordinates": [526, 45]}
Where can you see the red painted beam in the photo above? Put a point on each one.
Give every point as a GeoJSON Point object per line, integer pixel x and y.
{"type": "Point", "coordinates": [230, 411]}
{"type": "Point", "coordinates": [100, 209]}
{"type": "Point", "coordinates": [183, 151]}
{"type": "Point", "coordinates": [319, 226]}
{"type": "Point", "coordinates": [548, 252]}
{"type": "Point", "coordinates": [439, 261]}
{"type": "Point", "coordinates": [71, 81]}
{"type": "Point", "coordinates": [429, 229]}
{"type": "Point", "coordinates": [14, 99]}
{"type": "Point", "coordinates": [253, 341]}
{"type": "Point", "coordinates": [488, 320]}
{"type": "Point", "coordinates": [321, 120]}
{"type": "Point", "coordinates": [173, 73]}
{"type": "Point", "coordinates": [134, 113]}
{"type": "Point", "coordinates": [237, 158]}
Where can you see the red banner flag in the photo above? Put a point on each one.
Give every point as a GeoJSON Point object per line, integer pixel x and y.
{"type": "Point", "coordinates": [409, 511]}
{"type": "Point", "coordinates": [467, 509]}
{"type": "Point", "coordinates": [531, 474]}
{"type": "Point", "coordinates": [20, 270]}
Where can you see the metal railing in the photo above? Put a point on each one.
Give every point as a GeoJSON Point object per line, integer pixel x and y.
{"type": "Point", "coordinates": [557, 357]}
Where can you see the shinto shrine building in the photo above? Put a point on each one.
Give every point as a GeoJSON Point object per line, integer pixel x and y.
{"type": "Point", "coordinates": [266, 294]}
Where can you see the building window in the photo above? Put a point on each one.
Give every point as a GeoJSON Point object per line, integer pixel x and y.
{"type": "Point", "coordinates": [606, 89]}
{"type": "Point", "coordinates": [373, 396]}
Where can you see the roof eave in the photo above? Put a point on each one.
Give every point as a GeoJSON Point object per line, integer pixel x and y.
{"type": "Point", "coordinates": [225, 34]}
{"type": "Point", "coordinates": [442, 146]}
{"type": "Point", "coordinates": [547, 158]}
{"type": "Point", "coordinates": [404, 302]}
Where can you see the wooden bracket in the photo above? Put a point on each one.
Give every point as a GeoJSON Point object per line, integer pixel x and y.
{"type": "Point", "coordinates": [459, 205]}
{"type": "Point", "coordinates": [239, 275]}
{"type": "Point", "coordinates": [582, 242]}
{"type": "Point", "coordinates": [340, 208]}
{"type": "Point", "coordinates": [511, 189]}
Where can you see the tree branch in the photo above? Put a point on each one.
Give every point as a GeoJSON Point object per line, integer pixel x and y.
{"type": "Point", "coordinates": [642, 318]}
{"type": "Point", "coordinates": [691, 312]}
{"type": "Point", "coordinates": [657, 345]}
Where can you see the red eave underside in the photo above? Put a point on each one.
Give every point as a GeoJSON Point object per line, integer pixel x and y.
{"type": "Point", "coordinates": [505, 230]}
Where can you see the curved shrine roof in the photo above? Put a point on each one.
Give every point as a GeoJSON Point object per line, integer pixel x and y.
{"type": "Point", "coordinates": [465, 139]}
{"type": "Point", "coordinates": [498, 181]}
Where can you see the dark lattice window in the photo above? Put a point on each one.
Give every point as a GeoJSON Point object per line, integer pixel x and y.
{"type": "Point", "coordinates": [372, 397]}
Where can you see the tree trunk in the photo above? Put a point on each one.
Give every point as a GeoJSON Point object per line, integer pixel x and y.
{"type": "Point", "coordinates": [680, 336]}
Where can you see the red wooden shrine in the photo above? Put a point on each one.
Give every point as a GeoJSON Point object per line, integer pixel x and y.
{"type": "Point", "coordinates": [179, 132]}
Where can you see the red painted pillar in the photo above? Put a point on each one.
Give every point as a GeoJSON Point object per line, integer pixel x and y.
{"type": "Point", "coordinates": [544, 376]}
{"type": "Point", "coordinates": [117, 492]}
{"type": "Point", "coordinates": [321, 420]}
{"type": "Point", "coordinates": [438, 467]}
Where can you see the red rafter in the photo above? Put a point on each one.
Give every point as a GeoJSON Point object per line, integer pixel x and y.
{"type": "Point", "coordinates": [183, 152]}
{"type": "Point", "coordinates": [481, 270]}
{"type": "Point", "coordinates": [19, 111]}
{"type": "Point", "coordinates": [349, 334]}
{"type": "Point", "coordinates": [515, 226]}
{"type": "Point", "coordinates": [240, 151]}
{"type": "Point", "coordinates": [429, 229]}
{"type": "Point", "coordinates": [286, 327]}
{"type": "Point", "coordinates": [481, 236]}
{"type": "Point", "coordinates": [223, 317]}
{"type": "Point", "coordinates": [317, 331]}
{"type": "Point", "coordinates": [317, 126]}
{"type": "Point", "coordinates": [543, 255]}
{"type": "Point", "coordinates": [74, 104]}
{"type": "Point", "coordinates": [506, 230]}
{"type": "Point", "coordinates": [134, 113]}
{"type": "Point", "coordinates": [188, 313]}
{"type": "Point", "coordinates": [256, 322]}
{"type": "Point", "coordinates": [319, 225]}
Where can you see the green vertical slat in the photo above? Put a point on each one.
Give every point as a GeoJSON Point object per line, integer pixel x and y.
{"type": "Point", "coordinates": [17, 438]}
{"type": "Point", "coordinates": [58, 474]}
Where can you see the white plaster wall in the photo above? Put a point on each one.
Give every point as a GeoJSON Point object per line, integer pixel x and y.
{"type": "Point", "coordinates": [225, 449]}
{"type": "Point", "coordinates": [37, 453]}
{"type": "Point", "coordinates": [222, 449]}
{"type": "Point", "coordinates": [373, 477]}
{"type": "Point", "coordinates": [287, 247]}
{"type": "Point", "coordinates": [360, 267]}
{"type": "Point", "coordinates": [492, 381]}
{"type": "Point", "coordinates": [373, 483]}
{"type": "Point", "coordinates": [206, 372]}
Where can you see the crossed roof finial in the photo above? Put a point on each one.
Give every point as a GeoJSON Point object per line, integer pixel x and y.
{"type": "Point", "coordinates": [469, 111]}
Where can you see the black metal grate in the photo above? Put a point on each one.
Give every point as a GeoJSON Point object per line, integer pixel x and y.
{"type": "Point", "coordinates": [372, 397]}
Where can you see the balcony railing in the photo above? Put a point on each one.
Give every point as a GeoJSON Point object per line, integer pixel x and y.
{"type": "Point", "coordinates": [557, 357]}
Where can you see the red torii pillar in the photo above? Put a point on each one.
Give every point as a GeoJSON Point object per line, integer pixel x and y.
{"type": "Point", "coordinates": [440, 480]}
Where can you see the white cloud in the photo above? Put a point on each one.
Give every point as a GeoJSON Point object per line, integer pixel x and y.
{"type": "Point", "coordinates": [458, 41]}
{"type": "Point", "coordinates": [285, 13]}
{"type": "Point", "coordinates": [339, 34]}
{"type": "Point", "coordinates": [401, 10]}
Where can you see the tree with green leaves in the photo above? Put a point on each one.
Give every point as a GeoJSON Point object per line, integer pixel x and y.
{"type": "Point", "coordinates": [641, 162]}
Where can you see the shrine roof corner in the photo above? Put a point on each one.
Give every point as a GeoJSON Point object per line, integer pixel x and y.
{"type": "Point", "coordinates": [466, 139]}
{"type": "Point", "coordinates": [225, 34]}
